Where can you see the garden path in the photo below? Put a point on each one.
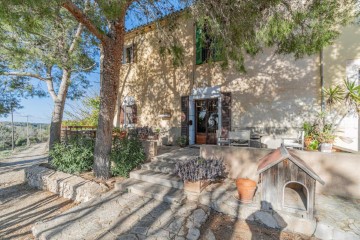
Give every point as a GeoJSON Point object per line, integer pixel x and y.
{"type": "Point", "coordinates": [20, 205]}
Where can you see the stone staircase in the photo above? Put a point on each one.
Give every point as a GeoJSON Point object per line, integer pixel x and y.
{"type": "Point", "coordinates": [157, 179]}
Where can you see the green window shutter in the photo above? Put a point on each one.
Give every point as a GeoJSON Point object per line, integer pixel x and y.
{"type": "Point", "coordinates": [198, 46]}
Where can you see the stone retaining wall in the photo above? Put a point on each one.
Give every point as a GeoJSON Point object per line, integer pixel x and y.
{"type": "Point", "coordinates": [340, 171]}
{"type": "Point", "coordinates": [63, 184]}
{"type": "Point", "coordinates": [150, 148]}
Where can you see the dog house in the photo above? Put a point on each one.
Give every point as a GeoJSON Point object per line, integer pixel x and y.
{"type": "Point", "coordinates": [287, 183]}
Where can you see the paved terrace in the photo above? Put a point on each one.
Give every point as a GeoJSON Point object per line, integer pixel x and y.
{"type": "Point", "coordinates": [152, 205]}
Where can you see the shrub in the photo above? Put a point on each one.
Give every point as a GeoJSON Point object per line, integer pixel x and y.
{"type": "Point", "coordinates": [200, 169]}
{"type": "Point", "coordinates": [75, 156]}
{"type": "Point", "coordinates": [21, 142]}
{"type": "Point", "coordinates": [182, 141]}
{"type": "Point", "coordinates": [127, 154]}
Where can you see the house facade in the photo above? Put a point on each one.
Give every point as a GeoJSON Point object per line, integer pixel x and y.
{"type": "Point", "coordinates": [194, 99]}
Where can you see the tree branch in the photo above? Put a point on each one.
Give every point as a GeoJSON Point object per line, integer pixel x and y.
{"type": "Point", "coordinates": [76, 38]}
{"type": "Point", "coordinates": [82, 18]}
{"type": "Point", "coordinates": [25, 74]}
{"type": "Point", "coordinates": [50, 87]}
{"type": "Point", "coordinates": [84, 69]}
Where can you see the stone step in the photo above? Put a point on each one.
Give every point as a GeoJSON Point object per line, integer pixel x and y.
{"type": "Point", "coordinates": [178, 155]}
{"type": "Point", "coordinates": [167, 167]}
{"type": "Point", "coordinates": [164, 179]}
{"type": "Point", "coordinates": [151, 190]}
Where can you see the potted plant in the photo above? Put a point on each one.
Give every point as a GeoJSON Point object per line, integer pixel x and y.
{"type": "Point", "coordinates": [198, 173]}
{"type": "Point", "coordinates": [310, 136]}
{"type": "Point", "coordinates": [182, 141]}
{"type": "Point", "coordinates": [118, 132]}
{"type": "Point", "coordinates": [309, 133]}
{"type": "Point", "coordinates": [326, 139]}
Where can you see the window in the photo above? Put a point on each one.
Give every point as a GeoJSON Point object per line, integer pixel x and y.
{"type": "Point", "coordinates": [128, 54]}
{"type": "Point", "coordinates": [353, 70]}
{"type": "Point", "coordinates": [128, 112]}
{"type": "Point", "coordinates": [207, 48]}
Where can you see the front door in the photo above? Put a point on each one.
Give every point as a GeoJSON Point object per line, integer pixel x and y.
{"type": "Point", "coordinates": [206, 120]}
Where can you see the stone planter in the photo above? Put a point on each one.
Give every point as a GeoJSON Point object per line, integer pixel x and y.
{"type": "Point", "coordinates": [326, 147]}
{"type": "Point", "coordinates": [195, 187]}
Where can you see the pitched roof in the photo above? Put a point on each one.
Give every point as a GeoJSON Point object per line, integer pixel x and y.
{"type": "Point", "coordinates": [281, 154]}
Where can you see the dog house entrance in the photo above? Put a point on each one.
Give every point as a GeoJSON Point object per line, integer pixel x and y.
{"type": "Point", "coordinates": [295, 196]}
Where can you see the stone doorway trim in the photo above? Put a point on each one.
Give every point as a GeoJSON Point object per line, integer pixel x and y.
{"type": "Point", "coordinates": [202, 93]}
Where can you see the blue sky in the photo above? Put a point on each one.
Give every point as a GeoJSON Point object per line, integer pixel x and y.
{"type": "Point", "coordinates": [39, 109]}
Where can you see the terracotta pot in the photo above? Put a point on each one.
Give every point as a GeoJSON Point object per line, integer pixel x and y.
{"type": "Point", "coordinates": [307, 141]}
{"type": "Point", "coordinates": [246, 189]}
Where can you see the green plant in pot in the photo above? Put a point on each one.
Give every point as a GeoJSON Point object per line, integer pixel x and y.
{"type": "Point", "coordinates": [182, 141]}
{"type": "Point", "coordinates": [309, 131]}
{"type": "Point", "coordinates": [326, 138]}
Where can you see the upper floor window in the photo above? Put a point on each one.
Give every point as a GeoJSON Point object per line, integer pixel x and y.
{"type": "Point", "coordinates": [128, 112]}
{"type": "Point", "coordinates": [207, 48]}
{"type": "Point", "coordinates": [128, 54]}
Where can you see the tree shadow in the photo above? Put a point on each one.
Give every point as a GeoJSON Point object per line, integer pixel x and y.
{"type": "Point", "coordinates": [27, 206]}
{"type": "Point", "coordinates": [269, 218]}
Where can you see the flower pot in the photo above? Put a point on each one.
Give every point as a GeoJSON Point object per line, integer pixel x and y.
{"type": "Point", "coordinates": [307, 142]}
{"type": "Point", "coordinates": [326, 147]}
{"type": "Point", "coordinates": [195, 187]}
{"type": "Point", "coordinates": [246, 189]}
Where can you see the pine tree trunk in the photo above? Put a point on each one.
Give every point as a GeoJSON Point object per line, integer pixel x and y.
{"type": "Point", "coordinates": [59, 104]}
{"type": "Point", "coordinates": [110, 63]}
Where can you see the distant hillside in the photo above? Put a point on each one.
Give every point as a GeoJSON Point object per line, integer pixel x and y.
{"type": "Point", "coordinates": [38, 132]}
{"type": "Point", "coordinates": [19, 124]}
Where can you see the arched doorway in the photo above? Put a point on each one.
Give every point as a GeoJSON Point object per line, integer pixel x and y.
{"type": "Point", "coordinates": [295, 196]}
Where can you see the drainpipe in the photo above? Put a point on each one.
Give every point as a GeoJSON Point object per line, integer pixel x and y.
{"type": "Point", "coordinates": [322, 80]}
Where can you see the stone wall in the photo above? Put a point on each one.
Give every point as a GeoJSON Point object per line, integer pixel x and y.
{"type": "Point", "coordinates": [63, 184]}
{"type": "Point", "coordinates": [338, 170]}
{"type": "Point", "coordinates": [150, 148]}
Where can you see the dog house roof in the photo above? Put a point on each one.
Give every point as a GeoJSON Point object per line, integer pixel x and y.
{"type": "Point", "coordinates": [281, 154]}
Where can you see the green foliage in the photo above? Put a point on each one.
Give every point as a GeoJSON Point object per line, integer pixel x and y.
{"type": "Point", "coordinates": [314, 145]}
{"type": "Point", "coordinates": [182, 141]}
{"type": "Point", "coordinates": [37, 42]}
{"type": "Point", "coordinates": [75, 156]}
{"type": "Point", "coordinates": [11, 91]}
{"type": "Point", "coordinates": [21, 142]}
{"type": "Point", "coordinates": [127, 154]}
{"type": "Point", "coordinates": [309, 129]}
{"type": "Point", "coordinates": [290, 27]}
{"type": "Point", "coordinates": [85, 115]}
{"type": "Point", "coordinates": [318, 132]}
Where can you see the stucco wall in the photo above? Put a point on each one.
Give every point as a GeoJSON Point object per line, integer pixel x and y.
{"type": "Point", "coordinates": [335, 59]}
{"type": "Point", "coordinates": [338, 170]}
{"type": "Point", "coordinates": [276, 95]}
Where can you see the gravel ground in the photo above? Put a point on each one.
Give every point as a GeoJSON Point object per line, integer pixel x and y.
{"type": "Point", "coordinates": [224, 227]}
{"type": "Point", "coordinates": [20, 205]}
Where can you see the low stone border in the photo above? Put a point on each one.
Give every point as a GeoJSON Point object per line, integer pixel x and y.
{"type": "Point", "coordinates": [63, 184]}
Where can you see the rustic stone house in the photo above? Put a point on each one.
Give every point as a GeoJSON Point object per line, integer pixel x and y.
{"type": "Point", "coordinates": [275, 96]}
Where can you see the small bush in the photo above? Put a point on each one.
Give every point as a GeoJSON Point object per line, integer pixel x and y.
{"type": "Point", "coordinates": [200, 169]}
{"type": "Point", "coordinates": [182, 141]}
{"type": "Point", "coordinates": [21, 142]}
{"type": "Point", "coordinates": [127, 154]}
{"type": "Point", "coordinates": [75, 156]}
